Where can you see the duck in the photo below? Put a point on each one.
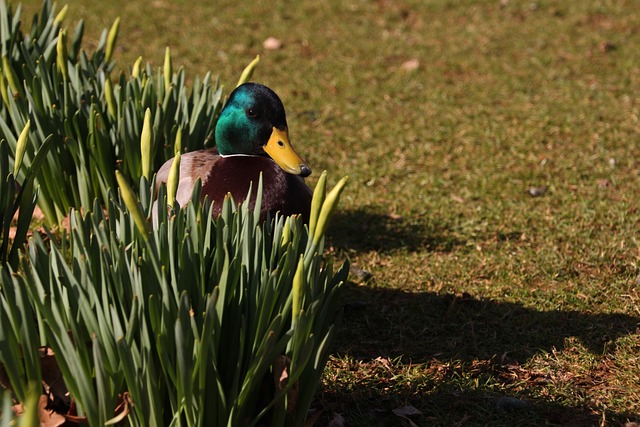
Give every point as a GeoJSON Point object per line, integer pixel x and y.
{"type": "Point", "coordinates": [251, 138]}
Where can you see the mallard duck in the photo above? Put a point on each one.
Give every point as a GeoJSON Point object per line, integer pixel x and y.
{"type": "Point", "coordinates": [251, 137]}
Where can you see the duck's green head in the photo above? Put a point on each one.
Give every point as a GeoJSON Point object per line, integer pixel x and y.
{"type": "Point", "coordinates": [253, 122]}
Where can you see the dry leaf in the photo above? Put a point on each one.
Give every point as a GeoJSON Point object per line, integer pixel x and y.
{"type": "Point", "coordinates": [281, 372]}
{"type": "Point", "coordinates": [604, 183]}
{"type": "Point", "coordinates": [537, 191]}
{"type": "Point", "coordinates": [281, 368]}
{"type": "Point", "coordinates": [272, 43]}
{"type": "Point", "coordinates": [73, 416]}
{"type": "Point", "coordinates": [17, 409]}
{"type": "Point", "coordinates": [122, 410]}
{"type": "Point", "coordinates": [336, 421]}
{"type": "Point", "coordinates": [52, 377]}
{"type": "Point", "coordinates": [410, 65]}
{"type": "Point", "coordinates": [38, 214]}
{"type": "Point", "coordinates": [407, 411]}
{"type": "Point", "coordinates": [384, 362]}
{"type": "Point", "coordinates": [48, 418]}
{"type": "Point", "coordinates": [4, 379]}
{"type": "Point", "coordinates": [361, 275]}
{"type": "Point", "coordinates": [606, 47]}
{"type": "Point", "coordinates": [457, 198]}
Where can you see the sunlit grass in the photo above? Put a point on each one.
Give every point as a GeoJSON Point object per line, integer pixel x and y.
{"type": "Point", "coordinates": [479, 290]}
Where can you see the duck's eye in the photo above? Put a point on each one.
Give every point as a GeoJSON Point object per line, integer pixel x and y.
{"type": "Point", "coordinates": [251, 112]}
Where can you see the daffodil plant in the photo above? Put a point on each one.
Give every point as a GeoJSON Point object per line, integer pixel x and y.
{"type": "Point", "coordinates": [195, 321]}
{"type": "Point", "coordinates": [98, 123]}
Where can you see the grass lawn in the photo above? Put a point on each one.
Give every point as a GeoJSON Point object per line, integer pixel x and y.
{"type": "Point", "coordinates": [492, 148]}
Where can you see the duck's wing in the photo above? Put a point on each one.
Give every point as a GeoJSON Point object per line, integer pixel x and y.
{"type": "Point", "coordinates": [193, 165]}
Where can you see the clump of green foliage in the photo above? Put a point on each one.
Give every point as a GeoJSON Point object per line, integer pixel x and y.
{"type": "Point", "coordinates": [95, 124]}
{"type": "Point", "coordinates": [17, 199]}
{"type": "Point", "coordinates": [228, 320]}
{"type": "Point", "coordinates": [194, 321]}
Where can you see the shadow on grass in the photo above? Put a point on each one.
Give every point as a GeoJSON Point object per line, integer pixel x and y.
{"type": "Point", "coordinates": [470, 350]}
{"type": "Point", "coordinates": [421, 326]}
{"type": "Point", "coordinates": [480, 407]}
{"type": "Point", "coordinates": [362, 230]}
{"type": "Point", "coordinates": [464, 344]}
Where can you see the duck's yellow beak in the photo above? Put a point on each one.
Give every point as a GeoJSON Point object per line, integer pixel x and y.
{"type": "Point", "coordinates": [279, 148]}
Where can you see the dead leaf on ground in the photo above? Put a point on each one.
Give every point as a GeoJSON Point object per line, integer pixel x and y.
{"type": "Point", "coordinates": [606, 47]}
{"type": "Point", "coordinates": [49, 418]}
{"type": "Point", "coordinates": [360, 274]}
{"type": "Point", "coordinates": [406, 412]}
{"type": "Point", "coordinates": [281, 368]}
{"type": "Point", "coordinates": [72, 415]}
{"type": "Point", "coordinates": [122, 410]}
{"type": "Point", "coordinates": [37, 214]}
{"type": "Point", "coordinates": [384, 362]}
{"type": "Point", "coordinates": [336, 421]}
{"type": "Point", "coordinates": [537, 191]}
{"type": "Point", "coordinates": [457, 198]}
{"type": "Point", "coordinates": [411, 64]}
{"type": "Point", "coordinates": [17, 409]}
{"type": "Point", "coordinates": [272, 43]}
{"type": "Point", "coordinates": [52, 378]}
{"type": "Point", "coordinates": [4, 379]}
{"type": "Point", "coordinates": [604, 183]}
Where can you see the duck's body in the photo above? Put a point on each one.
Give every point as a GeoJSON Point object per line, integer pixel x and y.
{"type": "Point", "coordinates": [282, 192]}
{"type": "Point", "coordinates": [251, 139]}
